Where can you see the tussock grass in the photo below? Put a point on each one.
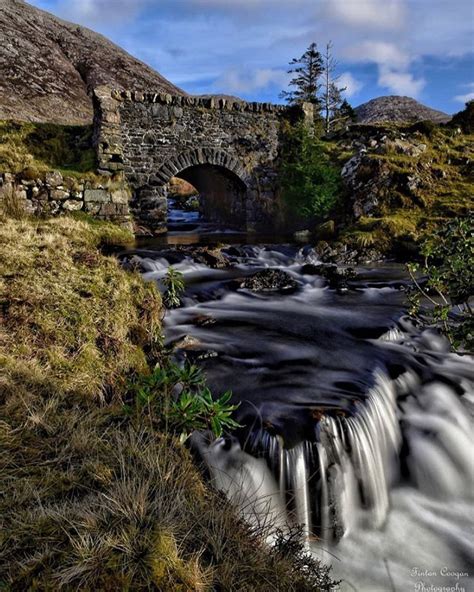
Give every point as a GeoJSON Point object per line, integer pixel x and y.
{"type": "Point", "coordinates": [74, 323]}
{"type": "Point", "coordinates": [446, 191]}
{"type": "Point", "coordinates": [91, 498]}
{"type": "Point", "coordinates": [12, 205]}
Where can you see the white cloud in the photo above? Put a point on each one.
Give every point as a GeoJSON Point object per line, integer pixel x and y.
{"type": "Point", "coordinates": [401, 83]}
{"type": "Point", "coordinates": [377, 14]}
{"type": "Point", "coordinates": [379, 52]}
{"type": "Point", "coordinates": [469, 96]}
{"type": "Point", "coordinates": [393, 65]}
{"type": "Point", "coordinates": [235, 81]}
{"type": "Point", "coordinates": [353, 86]}
{"type": "Point", "coordinates": [195, 42]}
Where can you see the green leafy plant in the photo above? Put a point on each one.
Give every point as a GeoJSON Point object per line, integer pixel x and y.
{"type": "Point", "coordinates": [311, 184]}
{"type": "Point", "coordinates": [174, 285]}
{"type": "Point", "coordinates": [178, 401]}
{"type": "Point", "coordinates": [447, 283]}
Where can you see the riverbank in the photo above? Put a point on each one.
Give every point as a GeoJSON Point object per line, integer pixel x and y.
{"type": "Point", "coordinates": [91, 499]}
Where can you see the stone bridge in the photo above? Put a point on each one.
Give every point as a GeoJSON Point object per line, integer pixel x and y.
{"type": "Point", "coordinates": [227, 150]}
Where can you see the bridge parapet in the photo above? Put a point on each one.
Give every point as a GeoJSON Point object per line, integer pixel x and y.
{"type": "Point", "coordinates": [216, 142]}
{"type": "Point", "coordinates": [190, 101]}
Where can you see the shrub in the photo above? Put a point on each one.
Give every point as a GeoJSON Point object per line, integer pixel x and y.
{"type": "Point", "coordinates": [310, 184]}
{"type": "Point", "coordinates": [426, 127]}
{"type": "Point", "coordinates": [465, 119]}
{"type": "Point", "coordinates": [46, 146]}
{"type": "Point", "coordinates": [449, 281]}
{"type": "Point", "coordinates": [178, 401]}
{"type": "Point", "coordinates": [174, 285]}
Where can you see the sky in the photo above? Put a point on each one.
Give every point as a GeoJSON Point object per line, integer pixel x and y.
{"type": "Point", "coordinates": [419, 48]}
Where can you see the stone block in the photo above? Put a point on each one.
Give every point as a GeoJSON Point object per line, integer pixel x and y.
{"type": "Point", "coordinates": [54, 179]}
{"type": "Point", "coordinates": [96, 195]}
{"type": "Point", "coordinates": [110, 209]}
{"type": "Point", "coordinates": [72, 205]}
{"type": "Point", "coordinates": [92, 208]}
{"type": "Point", "coordinates": [120, 196]}
{"type": "Point", "coordinates": [59, 194]}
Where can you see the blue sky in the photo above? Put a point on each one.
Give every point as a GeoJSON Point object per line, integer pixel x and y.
{"type": "Point", "coordinates": [420, 48]}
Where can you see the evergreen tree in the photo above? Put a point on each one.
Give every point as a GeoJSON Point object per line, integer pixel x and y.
{"type": "Point", "coordinates": [345, 114]}
{"type": "Point", "coordinates": [308, 70]}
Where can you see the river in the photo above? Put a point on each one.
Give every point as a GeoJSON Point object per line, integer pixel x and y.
{"type": "Point", "coordinates": [356, 423]}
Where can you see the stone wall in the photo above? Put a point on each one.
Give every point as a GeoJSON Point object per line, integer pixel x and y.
{"type": "Point", "coordinates": [54, 194]}
{"type": "Point", "coordinates": [153, 137]}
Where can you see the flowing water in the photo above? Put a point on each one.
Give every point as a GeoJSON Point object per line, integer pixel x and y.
{"type": "Point", "coordinates": [357, 424]}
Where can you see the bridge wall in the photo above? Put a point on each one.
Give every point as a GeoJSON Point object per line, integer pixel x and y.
{"type": "Point", "coordinates": [153, 137]}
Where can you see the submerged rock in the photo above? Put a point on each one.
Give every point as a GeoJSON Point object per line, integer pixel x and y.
{"type": "Point", "coordinates": [270, 280]}
{"type": "Point", "coordinates": [191, 349]}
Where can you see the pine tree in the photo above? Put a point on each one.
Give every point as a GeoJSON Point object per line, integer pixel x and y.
{"type": "Point", "coordinates": [332, 92]}
{"type": "Point", "coordinates": [306, 82]}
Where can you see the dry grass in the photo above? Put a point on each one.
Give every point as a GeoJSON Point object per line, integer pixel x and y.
{"type": "Point", "coordinates": [74, 323]}
{"type": "Point", "coordinates": [91, 499]}
{"type": "Point", "coordinates": [11, 205]}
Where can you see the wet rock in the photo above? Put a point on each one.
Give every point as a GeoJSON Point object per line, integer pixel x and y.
{"type": "Point", "coordinates": [270, 280]}
{"type": "Point", "coordinates": [188, 342]}
{"type": "Point", "coordinates": [343, 254]}
{"type": "Point", "coordinates": [190, 348]}
{"type": "Point", "coordinates": [326, 230]}
{"type": "Point", "coordinates": [337, 277]}
{"type": "Point", "coordinates": [204, 320]}
{"type": "Point", "coordinates": [213, 257]}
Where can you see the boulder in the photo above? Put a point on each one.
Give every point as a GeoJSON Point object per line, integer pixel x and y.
{"type": "Point", "coordinates": [270, 280]}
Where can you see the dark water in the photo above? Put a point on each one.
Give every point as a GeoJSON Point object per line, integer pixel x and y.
{"type": "Point", "coordinates": [357, 423]}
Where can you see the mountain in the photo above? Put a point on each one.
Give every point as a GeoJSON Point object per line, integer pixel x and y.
{"type": "Point", "coordinates": [397, 109]}
{"type": "Point", "coordinates": [48, 66]}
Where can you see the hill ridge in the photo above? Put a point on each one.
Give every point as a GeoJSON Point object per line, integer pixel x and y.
{"type": "Point", "coordinates": [395, 108]}
{"type": "Point", "coordinates": [48, 67]}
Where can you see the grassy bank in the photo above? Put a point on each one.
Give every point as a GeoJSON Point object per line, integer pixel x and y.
{"type": "Point", "coordinates": [36, 148]}
{"type": "Point", "coordinates": [423, 191]}
{"type": "Point", "coordinates": [91, 498]}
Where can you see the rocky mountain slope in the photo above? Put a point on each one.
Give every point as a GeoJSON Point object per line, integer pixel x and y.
{"type": "Point", "coordinates": [397, 109]}
{"type": "Point", "coordinates": [47, 66]}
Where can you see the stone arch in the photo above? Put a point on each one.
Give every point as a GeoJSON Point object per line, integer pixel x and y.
{"type": "Point", "coordinates": [219, 178]}
{"type": "Point", "coordinates": [195, 157]}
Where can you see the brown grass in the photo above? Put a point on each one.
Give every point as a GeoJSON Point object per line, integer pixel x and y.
{"type": "Point", "coordinates": [90, 499]}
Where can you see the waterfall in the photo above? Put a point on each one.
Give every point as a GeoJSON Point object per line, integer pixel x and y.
{"type": "Point", "coordinates": [342, 480]}
{"type": "Point", "coordinates": [357, 422]}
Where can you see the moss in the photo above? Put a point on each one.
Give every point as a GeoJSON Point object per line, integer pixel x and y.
{"type": "Point", "coordinates": [445, 189]}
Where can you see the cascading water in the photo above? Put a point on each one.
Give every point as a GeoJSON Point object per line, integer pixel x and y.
{"type": "Point", "coordinates": [357, 425]}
